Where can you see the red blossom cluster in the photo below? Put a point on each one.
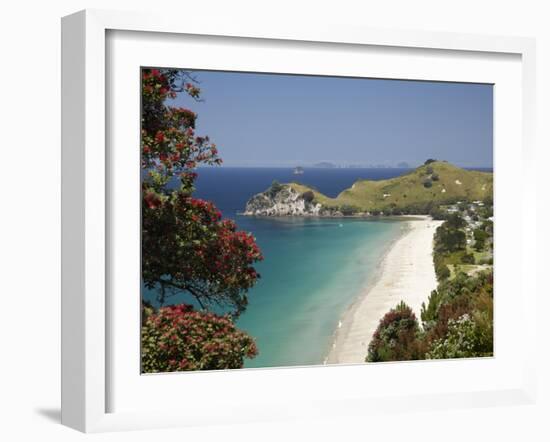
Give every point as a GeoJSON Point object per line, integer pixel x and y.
{"type": "Point", "coordinates": [203, 253]}
{"type": "Point", "coordinates": [168, 140]}
{"type": "Point", "coordinates": [156, 83]}
{"type": "Point", "coordinates": [178, 338]}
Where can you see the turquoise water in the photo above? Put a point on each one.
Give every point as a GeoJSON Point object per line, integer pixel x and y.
{"type": "Point", "coordinates": [313, 270]}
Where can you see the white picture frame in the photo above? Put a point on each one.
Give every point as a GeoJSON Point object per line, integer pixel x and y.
{"type": "Point", "coordinates": [86, 357]}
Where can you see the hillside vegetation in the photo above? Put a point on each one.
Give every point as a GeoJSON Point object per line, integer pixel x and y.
{"type": "Point", "coordinates": [430, 185]}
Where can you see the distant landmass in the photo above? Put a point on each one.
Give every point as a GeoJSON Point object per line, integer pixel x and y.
{"type": "Point", "coordinates": [330, 165]}
{"type": "Point", "coordinates": [325, 165]}
{"type": "Point", "coordinates": [416, 192]}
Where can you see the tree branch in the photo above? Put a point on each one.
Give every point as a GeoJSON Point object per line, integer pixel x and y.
{"type": "Point", "coordinates": [186, 288]}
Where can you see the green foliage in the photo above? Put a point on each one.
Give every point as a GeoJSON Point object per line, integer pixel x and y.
{"type": "Point", "coordinates": [397, 337]}
{"type": "Point", "coordinates": [487, 226]}
{"type": "Point", "coordinates": [464, 339]}
{"type": "Point", "coordinates": [187, 247]}
{"type": "Point", "coordinates": [435, 177]}
{"type": "Point", "coordinates": [428, 312]}
{"type": "Point", "coordinates": [455, 221]}
{"type": "Point", "coordinates": [438, 214]}
{"type": "Point", "coordinates": [308, 196]}
{"type": "Point", "coordinates": [177, 338]}
{"type": "Point", "coordinates": [449, 239]}
{"type": "Point", "coordinates": [487, 211]}
{"type": "Point", "coordinates": [347, 209]}
{"type": "Point", "coordinates": [480, 237]}
{"type": "Point", "coordinates": [429, 161]}
{"type": "Point", "coordinates": [275, 188]}
{"type": "Point", "coordinates": [429, 170]}
{"type": "Point", "coordinates": [486, 260]}
{"type": "Point", "coordinates": [441, 269]}
{"type": "Point", "coordinates": [450, 246]}
{"type": "Point", "coordinates": [464, 296]}
{"type": "Point", "coordinates": [427, 183]}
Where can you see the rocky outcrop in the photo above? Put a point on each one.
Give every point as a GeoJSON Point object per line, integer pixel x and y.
{"type": "Point", "coordinates": [283, 200]}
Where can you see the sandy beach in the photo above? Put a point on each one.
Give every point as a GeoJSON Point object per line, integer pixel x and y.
{"type": "Point", "coordinates": [406, 274]}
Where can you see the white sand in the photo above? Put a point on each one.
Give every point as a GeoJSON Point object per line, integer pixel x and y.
{"type": "Point", "coordinates": [405, 274]}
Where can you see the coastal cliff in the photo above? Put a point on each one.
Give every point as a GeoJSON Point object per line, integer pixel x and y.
{"type": "Point", "coordinates": [283, 200]}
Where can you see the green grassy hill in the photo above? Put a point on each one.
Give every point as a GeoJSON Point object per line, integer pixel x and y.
{"type": "Point", "coordinates": [415, 192]}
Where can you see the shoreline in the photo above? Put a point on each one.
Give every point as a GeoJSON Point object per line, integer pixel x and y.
{"type": "Point", "coordinates": [405, 272]}
{"type": "Point", "coordinates": [355, 216]}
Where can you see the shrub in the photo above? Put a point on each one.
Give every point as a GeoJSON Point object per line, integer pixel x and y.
{"type": "Point", "coordinates": [428, 312]}
{"type": "Point", "coordinates": [457, 322]}
{"type": "Point", "coordinates": [468, 258]}
{"type": "Point", "coordinates": [348, 209]}
{"type": "Point", "coordinates": [397, 337]}
{"type": "Point", "coordinates": [427, 183]}
{"type": "Point", "coordinates": [435, 177]}
{"type": "Point", "coordinates": [429, 161]}
{"type": "Point", "coordinates": [455, 221]}
{"type": "Point", "coordinates": [178, 338]}
{"type": "Point", "coordinates": [449, 239]}
{"type": "Point", "coordinates": [456, 298]}
{"type": "Point", "coordinates": [442, 271]}
{"type": "Point", "coordinates": [275, 188]}
{"type": "Point", "coordinates": [480, 237]}
{"type": "Point", "coordinates": [438, 214]}
{"type": "Point", "coordinates": [465, 339]}
{"type": "Point", "coordinates": [429, 170]}
{"type": "Point", "coordinates": [308, 196]}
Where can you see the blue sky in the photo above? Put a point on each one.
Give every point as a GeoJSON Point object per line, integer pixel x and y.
{"type": "Point", "coordinates": [286, 120]}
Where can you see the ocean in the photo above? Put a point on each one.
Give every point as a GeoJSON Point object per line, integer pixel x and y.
{"type": "Point", "coordinates": [313, 268]}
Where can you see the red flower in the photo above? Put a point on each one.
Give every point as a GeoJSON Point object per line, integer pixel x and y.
{"type": "Point", "coordinates": [152, 200]}
{"type": "Point", "coordinates": [159, 137]}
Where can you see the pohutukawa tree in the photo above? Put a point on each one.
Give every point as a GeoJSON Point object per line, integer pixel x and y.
{"type": "Point", "coordinates": [178, 338]}
{"type": "Point", "coordinates": [186, 245]}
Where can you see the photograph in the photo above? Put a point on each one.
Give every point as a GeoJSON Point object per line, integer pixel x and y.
{"type": "Point", "coordinates": [307, 220]}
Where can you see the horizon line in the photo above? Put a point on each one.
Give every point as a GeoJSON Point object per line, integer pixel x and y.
{"type": "Point", "coordinates": [279, 166]}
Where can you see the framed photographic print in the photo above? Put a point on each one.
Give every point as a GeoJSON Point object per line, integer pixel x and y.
{"type": "Point", "coordinates": [271, 223]}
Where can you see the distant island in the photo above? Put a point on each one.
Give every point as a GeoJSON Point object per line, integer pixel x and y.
{"type": "Point", "coordinates": [420, 191]}
{"type": "Point", "coordinates": [325, 165]}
